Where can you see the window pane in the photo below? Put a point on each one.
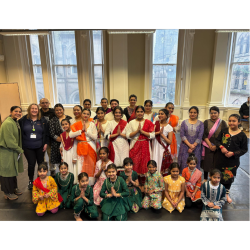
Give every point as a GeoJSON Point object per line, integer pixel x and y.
{"type": "Point", "coordinates": [241, 53]}
{"type": "Point", "coordinates": [97, 43]}
{"type": "Point", "coordinates": [39, 82]}
{"type": "Point", "coordinates": [165, 46]}
{"type": "Point", "coordinates": [240, 80]}
{"type": "Point", "coordinates": [163, 84]}
{"type": "Point", "coordinates": [67, 85]}
{"type": "Point", "coordinates": [98, 84]}
{"type": "Point", "coordinates": [35, 49]}
{"type": "Point", "coordinates": [64, 47]}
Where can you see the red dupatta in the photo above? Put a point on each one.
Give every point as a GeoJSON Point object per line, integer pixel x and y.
{"type": "Point", "coordinates": [166, 159]}
{"type": "Point", "coordinates": [37, 182]}
{"type": "Point", "coordinates": [133, 116]}
{"type": "Point", "coordinates": [122, 125]}
{"type": "Point", "coordinates": [140, 152]}
{"type": "Point", "coordinates": [66, 142]}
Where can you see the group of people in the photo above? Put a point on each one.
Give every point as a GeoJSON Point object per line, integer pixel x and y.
{"type": "Point", "coordinates": [124, 160]}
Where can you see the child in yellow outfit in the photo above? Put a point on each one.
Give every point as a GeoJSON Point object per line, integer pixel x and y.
{"type": "Point", "coordinates": [174, 189]}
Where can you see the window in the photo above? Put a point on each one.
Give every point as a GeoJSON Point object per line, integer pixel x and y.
{"type": "Point", "coordinates": [239, 69]}
{"type": "Point", "coordinates": [65, 66]}
{"type": "Point", "coordinates": [165, 44]}
{"type": "Point", "coordinates": [97, 42]}
{"type": "Point", "coordinates": [37, 69]}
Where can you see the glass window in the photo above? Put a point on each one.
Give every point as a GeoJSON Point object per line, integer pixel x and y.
{"type": "Point", "coordinates": [164, 66]}
{"type": "Point", "coordinates": [98, 64]}
{"type": "Point", "coordinates": [37, 69]}
{"type": "Point", "coordinates": [65, 66]}
{"type": "Point", "coordinates": [239, 69]}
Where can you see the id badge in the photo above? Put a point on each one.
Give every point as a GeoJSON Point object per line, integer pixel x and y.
{"type": "Point", "coordinates": [33, 136]}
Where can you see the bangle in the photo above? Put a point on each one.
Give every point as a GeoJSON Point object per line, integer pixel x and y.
{"type": "Point", "coordinates": [221, 146]}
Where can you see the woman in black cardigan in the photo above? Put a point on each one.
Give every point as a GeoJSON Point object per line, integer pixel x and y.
{"type": "Point", "coordinates": [35, 138]}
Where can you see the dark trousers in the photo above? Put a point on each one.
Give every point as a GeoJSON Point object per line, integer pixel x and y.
{"type": "Point", "coordinates": [33, 156]}
{"type": "Point", "coordinates": [189, 202]}
{"type": "Point", "coordinates": [8, 184]}
{"type": "Point", "coordinates": [205, 175]}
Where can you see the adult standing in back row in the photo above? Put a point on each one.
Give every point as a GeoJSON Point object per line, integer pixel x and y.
{"type": "Point", "coordinates": [130, 110]}
{"type": "Point", "coordinates": [110, 116]}
{"type": "Point", "coordinates": [87, 105]}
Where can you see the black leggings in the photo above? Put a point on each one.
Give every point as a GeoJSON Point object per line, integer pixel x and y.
{"type": "Point", "coordinates": [205, 175]}
{"type": "Point", "coordinates": [33, 156]}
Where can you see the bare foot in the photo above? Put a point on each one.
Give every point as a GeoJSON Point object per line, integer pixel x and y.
{"type": "Point", "coordinates": [78, 218]}
{"type": "Point", "coordinates": [229, 200]}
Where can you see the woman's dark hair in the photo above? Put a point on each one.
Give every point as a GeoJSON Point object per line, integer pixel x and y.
{"type": "Point", "coordinates": [87, 110]}
{"type": "Point", "coordinates": [67, 120]}
{"type": "Point", "coordinates": [139, 107]}
{"type": "Point", "coordinates": [152, 162]}
{"type": "Point", "coordinates": [112, 165]}
{"type": "Point", "coordinates": [169, 104]}
{"type": "Point", "coordinates": [81, 175]}
{"type": "Point", "coordinates": [192, 157]}
{"type": "Point", "coordinates": [87, 100]}
{"type": "Point", "coordinates": [105, 149]}
{"type": "Point", "coordinates": [63, 164]}
{"type": "Point", "coordinates": [214, 171]}
{"type": "Point", "coordinates": [133, 96]}
{"type": "Point", "coordinates": [166, 112]}
{"type": "Point", "coordinates": [104, 99]}
{"type": "Point", "coordinates": [59, 105]}
{"type": "Point", "coordinates": [114, 100]}
{"type": "Point", "coordinates": [194, 107]}
{"type": "Point", "coordinates": [236, 116]}
{"type": "Point", "coordinates": [148, 101]}
{"type": "Point", "coordinates": [100, 108]}
{"type": "Point", "coordinates": [128, 160]}
{"type": "Point", "coordinates": [43, 165]}
{"type": "Point", "coordinates": [215, 109]}
{"type": "Point", "coordinates": [173, 165]}
{"type": "Point", "coordinates": [118, 107]}
{"type": "Point", "coordinates": [14, 107]}
{"type": "Point", "coordinates": [78, 106]}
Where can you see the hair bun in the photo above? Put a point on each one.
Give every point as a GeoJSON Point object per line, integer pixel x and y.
{"type": "Point", "coordinates": [191, 155]}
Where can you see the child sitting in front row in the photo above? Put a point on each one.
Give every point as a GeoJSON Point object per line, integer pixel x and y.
{"type": "Point", "coordinates": [44, 192]}
{"type": "Point", "coordinates": [213, 195]}
{"type": "Point", "coordinates": [153, 187]}
{"type": "Point", "coordinates": [82, 198]}
{"type": "Point", "coordinates": [132, 182]}
{"type": "Point", "coordinates": [65, 181]}
{"type": "Point", "coordinates": [174, 189]}
{"type": "Point", "coordinates": [113, 191]}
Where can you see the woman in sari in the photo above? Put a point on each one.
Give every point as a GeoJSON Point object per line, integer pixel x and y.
{"type": "Point", "coordinates": [77, 111]}
{"type": "Point", "coordinates": [212, 128]}
{"type": "Point", "coordinates": [149, 114]}
{"type": "Point", "coordinates": [86, 148]}
{"type": "Point", "coordinates": [101, 125]}
{"type": "Point", "coordinates": [140, 132]}
{"type": "Point", "coordinates": [129, 111]}
{"type": "Point", "coordinates": [163, 138]}
{"type": "Point", "coordinates": [116, 134]}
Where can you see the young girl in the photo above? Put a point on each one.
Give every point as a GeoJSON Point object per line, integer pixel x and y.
{"type": "Point", "coordinates": [65, 181]}
{"type": "Point", "coordinates": [100, 175]}
{"type": "Point", "coordinates": [82, 198]}
{"type": "Point", "coordinates": [114, 189]}
{"type": "Point", "coordinates": [153, 187]}
{"type": "Point", "coordinates": [213, 195]}
{"type": "Point", "coordinates": [132, 182]}
{"type": "Point", "coordinates": [68, 149]}
{"type": "Point", "coordinates": [174, 189]}
{"type": "Point", "coordinates": [231, 144]}
{"type": "Point", "coordinates": [44, 192]}
{"type": "Point", "coordinates": [192, 176]}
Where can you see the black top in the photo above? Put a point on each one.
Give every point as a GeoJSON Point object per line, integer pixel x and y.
{"type": "Point", "coordinates": [49, 114]}
{"type": "Point", "coordinates": [244, 110]}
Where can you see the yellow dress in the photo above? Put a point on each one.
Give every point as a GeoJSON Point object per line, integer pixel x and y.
{"type": "Point", "coordinates": [47, 203]}
{"type": "Point", "coordinates": [174, 190]}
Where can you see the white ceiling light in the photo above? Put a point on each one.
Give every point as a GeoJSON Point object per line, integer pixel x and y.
{"type": "Point", "coordinates": [131, 31]}
{"type": "Point", "coordinates": [24, 33]}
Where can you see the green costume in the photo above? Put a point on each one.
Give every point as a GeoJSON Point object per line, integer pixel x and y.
{"type": "Point", "coordinates": [89, 208]}
{"type": "Point", "coordinates": [115, 207]}
{"type": "Point", "coordinates": [64, 188]}
{"type": "Point", "coordinates": [10, 148]}
{"type": "Point", "coordinates": [135, 195]}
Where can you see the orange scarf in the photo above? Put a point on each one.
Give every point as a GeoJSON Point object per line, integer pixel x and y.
{"type": "Point", "coordinates": [173, 121]}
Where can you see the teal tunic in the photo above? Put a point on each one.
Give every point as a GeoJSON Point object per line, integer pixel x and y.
{"type": "Point", "coordinates": [135, 195]}
{"type": "Point", "coordinates": [64, 188]}
{"type": "Point", "coordinates": [115, 207]}
{"type": "Point", "coordinates": [81, 205]}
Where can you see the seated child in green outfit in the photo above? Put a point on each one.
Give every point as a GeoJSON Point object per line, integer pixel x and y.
{"type": "Point", "coordinates": [131, 178]}
{"type": "Point", "coordinates": [114, 188]}
{"type": "Point", "coordinates": [82, 198]}
{"type": "Point", "coordinates": [64, 180]}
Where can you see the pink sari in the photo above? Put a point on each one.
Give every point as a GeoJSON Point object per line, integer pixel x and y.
{"type": "Point", "coordinates": [193, 179]}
